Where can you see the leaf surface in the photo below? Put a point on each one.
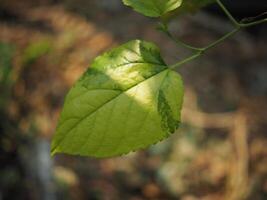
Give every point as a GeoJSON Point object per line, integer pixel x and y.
{"type": "Point", "coordinates": [153, 8]}
{"type": "Point", "coordinates": [128, 99]}
{"type": "Point", "coordinates": [193, 5]}
{"type": "Point", "coordinates": [187, 7]}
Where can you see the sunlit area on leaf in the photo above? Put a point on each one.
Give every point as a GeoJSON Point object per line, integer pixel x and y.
{"type": "Point", "coordinates": [198, 135]}
{"type": "Point", "coordinates": [129, 83]}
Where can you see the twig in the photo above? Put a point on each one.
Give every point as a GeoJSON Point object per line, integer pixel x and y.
{"type": "Point", "coordinates": [200, 51]}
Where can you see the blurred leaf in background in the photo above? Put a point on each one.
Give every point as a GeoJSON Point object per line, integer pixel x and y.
{"type": "Point", "coordinates": [153, 8]}
{"type": "Point", "coordinates": [6, 54]}
{"type": "Point", "coordinates": [36, 50]}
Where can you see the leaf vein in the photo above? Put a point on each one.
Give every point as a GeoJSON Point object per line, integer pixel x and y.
{"type": "Point", "coordinates": [89, 114]}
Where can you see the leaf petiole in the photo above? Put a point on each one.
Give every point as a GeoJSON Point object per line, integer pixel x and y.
{"type": "Point", "coordinates": [186, 60]}
{"type": "Point", "coordinates": [200, 51]}
{"type": "Point", "coordinates": [228, 14]}
{"type": "Point", "coordinates": [164, 28]}
{"type": "Point", "coordinates": [245, 25]}
{"type": "Point", "coordinates": [234, 21]}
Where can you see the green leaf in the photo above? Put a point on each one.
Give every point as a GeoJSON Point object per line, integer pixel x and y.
{"type": "Point", "coordinates": [6, 55]}
{"type": "Point", "coordinates": [6, 71]}
{"type": "Point", "coordinates": [194, 5]}
{"type": "Point", "coordinates": [188, 6]}
{"type": "Point", "coordinates": [36, 50]}
{"type": "Point", "coordinates": [153, 8]}
{"type": "Point", "coordinates": [127, 100]}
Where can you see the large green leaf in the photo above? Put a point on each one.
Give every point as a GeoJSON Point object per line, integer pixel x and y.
{"type": "Point", "coordinates": [128, 99]}
{"type": "Point", "coordinates": [153, 8]}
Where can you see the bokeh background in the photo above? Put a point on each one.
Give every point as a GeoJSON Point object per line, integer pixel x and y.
{"type": "Point", "coordinates": [220, 150]}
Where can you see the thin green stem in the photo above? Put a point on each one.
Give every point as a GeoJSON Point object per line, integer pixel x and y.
{"type": "Point", "coordinates": [245, 25]}
{"type": "Point", "coordinates": [163, 27]}
{"type": "Point", "coordinates": [228, 14]}
{"type": "Point", "coordinates": [222, 39]}
{"type": "Point", "coordinates": [186, 60]}
{"type": "Point", "coordinates": [179, 42]}
{"type": "Point", "coordinates": [234, 21]}
{"type": "Point", "coordinates": [200, 51]}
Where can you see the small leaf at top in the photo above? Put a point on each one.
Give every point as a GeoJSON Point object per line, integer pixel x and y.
{"type": "Point", "coordinates": [193, 5]}
{"type": "Point", "coordinates": [187, 7]}
{"type": "Point", "coordinates": [153, 8]}
{"type": "Point", "coordinates": [127, 100]}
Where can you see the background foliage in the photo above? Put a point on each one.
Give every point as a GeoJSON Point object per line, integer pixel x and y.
{"type": "Point", "coordinates": [220, 150]}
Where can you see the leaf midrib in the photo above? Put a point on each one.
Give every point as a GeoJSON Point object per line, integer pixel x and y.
{"type": "Point", "coordinates": [54, 148]}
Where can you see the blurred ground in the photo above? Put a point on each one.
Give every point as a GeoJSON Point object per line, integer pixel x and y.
{"type": "Point", "coordinates": [218, 153]}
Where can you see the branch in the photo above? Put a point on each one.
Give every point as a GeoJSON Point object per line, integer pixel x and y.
{"type": "Point", "coordinates": [200, 51]}
{"type": "Point", "coordinates": [228, 14]}
{"type": "Point", "coordinates": [165, 29]}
